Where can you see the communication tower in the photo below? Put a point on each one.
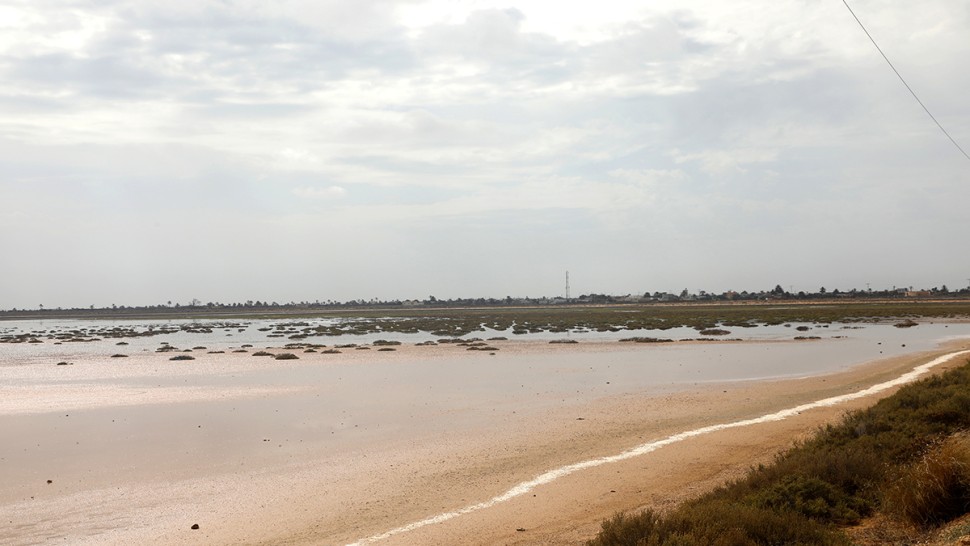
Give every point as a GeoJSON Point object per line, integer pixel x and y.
{"type": "Point", "coordinates": [567, 285]}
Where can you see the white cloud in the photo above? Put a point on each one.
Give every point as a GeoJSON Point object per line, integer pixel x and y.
{"type": "Point", "coordinates": [613, 123]}
{"type": "Point", "coordinates": [330, 192]}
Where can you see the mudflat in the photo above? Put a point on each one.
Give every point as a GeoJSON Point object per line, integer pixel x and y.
{"type": "Point", "coordinates": [363, 446]}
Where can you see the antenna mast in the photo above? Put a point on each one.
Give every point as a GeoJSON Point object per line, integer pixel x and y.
{"type": "Point", "coordinates": [567, 285]}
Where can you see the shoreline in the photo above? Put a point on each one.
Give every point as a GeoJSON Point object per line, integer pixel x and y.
{"type": "Point", "coordinates": [311, 496]}
{"type": "Point", "coordinates": [667, 471]}
{"type": "Point", "coordinates": [550, 476]}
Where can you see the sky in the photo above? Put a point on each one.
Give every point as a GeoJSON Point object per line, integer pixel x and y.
{"type": "Point", "coordinates": [304, 150]}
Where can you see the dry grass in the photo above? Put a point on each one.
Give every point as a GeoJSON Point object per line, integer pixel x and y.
{"type": "Point", "coordinates": [935, 488]}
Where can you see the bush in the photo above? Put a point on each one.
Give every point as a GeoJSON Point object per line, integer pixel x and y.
{"type": "Point", "coordinates": [626, 530]}
{"type": "Point", "coordinates": [811, 497]}
{"type": "Point", "coordinates": [936, 488]}
{"type": "Point", "coordinates": [713, 522]}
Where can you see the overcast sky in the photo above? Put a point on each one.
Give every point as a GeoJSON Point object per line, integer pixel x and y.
{"type": "Point", "coordinates": [164, 150]}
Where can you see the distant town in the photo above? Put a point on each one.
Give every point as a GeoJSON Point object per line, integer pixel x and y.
{"type": "Point", "coordinates": [778, 293]}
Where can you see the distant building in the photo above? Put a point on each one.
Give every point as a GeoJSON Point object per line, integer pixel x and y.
{"type": "Point", "coordinates": [918, 293]}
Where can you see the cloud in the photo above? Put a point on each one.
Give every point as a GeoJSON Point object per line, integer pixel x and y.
{"type": "Point", "coordinates": [331, 192]}
{"type": "Point", "coordinates": [703, 131]}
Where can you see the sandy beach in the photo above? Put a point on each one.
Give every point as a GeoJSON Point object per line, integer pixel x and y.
{"type": "Point", "coordinates": [257, 451]}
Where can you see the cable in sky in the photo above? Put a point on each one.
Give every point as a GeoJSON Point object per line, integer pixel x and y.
{"type": "Point", "coordinates": [900, 76]}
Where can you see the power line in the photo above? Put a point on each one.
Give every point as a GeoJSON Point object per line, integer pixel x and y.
{"type": "Point", "coordinates": [900, 76]}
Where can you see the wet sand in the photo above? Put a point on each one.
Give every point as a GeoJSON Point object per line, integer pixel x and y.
{"type": "Point", "coordinates": [282, 452]}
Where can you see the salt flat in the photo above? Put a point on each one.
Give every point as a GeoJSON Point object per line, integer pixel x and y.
{"type": "Point", "coordinates": [336, 448]}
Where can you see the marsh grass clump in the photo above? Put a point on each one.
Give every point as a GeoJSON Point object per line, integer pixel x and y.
{"type": "Point", "coordinates": [182, 357]}
{"type": "Point", "coordinates": [286, 356]}
{"type": "Point", "coordinates": [714, 332]}
{"type": "Point", "coordinates": [706, 523]}
{"type": "Point", "coordinates": [641, 339]}
{"type": "Point", "coordinates": [936, 488]}
{"type": "Point", "coordinates": [262, 353]}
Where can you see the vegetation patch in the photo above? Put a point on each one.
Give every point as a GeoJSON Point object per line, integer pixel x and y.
{"type": "Point", "coordinates": [907, 459]}
{"type": "Point", "coordinates": [286, 356]}
{"type": "Point", "coordinates": [936, 487]}
{"type": "Point", "coordinates": [182, 357]}
{"type": "Point", "coordinates": [645, 340]}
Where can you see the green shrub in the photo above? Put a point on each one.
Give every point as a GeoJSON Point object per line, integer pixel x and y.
{"type": "Point", "coordinates": [713, 522]}
{"type": "Point", "coordinates": [627, 530]}
{"type": "Point", "coordinates": [811, 497]}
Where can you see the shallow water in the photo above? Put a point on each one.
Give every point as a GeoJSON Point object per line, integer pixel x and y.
{"type": "Point", "coordinates": [229, 335]}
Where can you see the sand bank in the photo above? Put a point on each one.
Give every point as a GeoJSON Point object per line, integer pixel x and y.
{"type": "Point", "coordinates": [278, 466]}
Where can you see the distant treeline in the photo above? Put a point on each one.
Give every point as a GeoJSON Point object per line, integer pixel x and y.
{"type": "Point", "coordinates": [273, 307]}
